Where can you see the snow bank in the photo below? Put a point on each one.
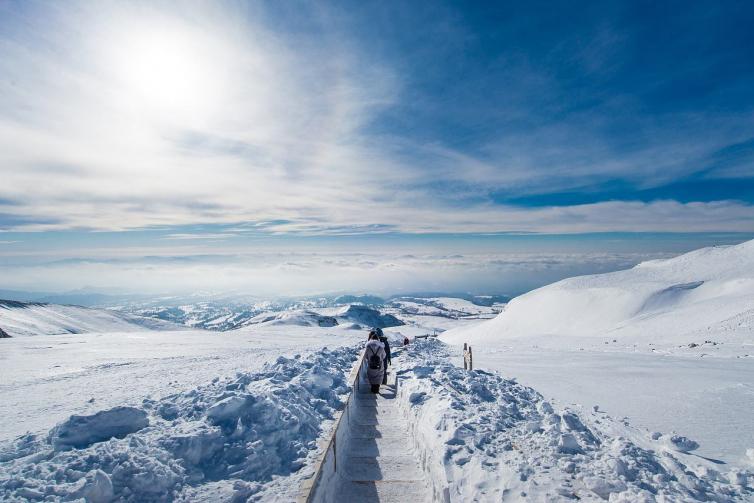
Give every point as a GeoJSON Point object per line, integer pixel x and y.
{"type": "Point", "coordinates": [83, 431]}
{"type": "Point", "coordinates": [675, 301]}
{"type": "Point", "coordinates": [486, 438]}
{"type": "Point", "coordinates": [239, 437]}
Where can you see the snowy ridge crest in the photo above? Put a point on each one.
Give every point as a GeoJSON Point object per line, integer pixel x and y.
{"type": "Point", "coordinates": [671, 302]}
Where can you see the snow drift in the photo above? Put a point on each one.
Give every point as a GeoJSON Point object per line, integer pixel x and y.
{"type": "Point", "coordinates": [231, 439]}
{"type": "Point", "coordinates": [487, 438]}
{"type": "Point", "coordinates": [706, 291]}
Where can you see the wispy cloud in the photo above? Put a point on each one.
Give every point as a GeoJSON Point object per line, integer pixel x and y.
{"type": "Point", "coordinates": [118, 116]}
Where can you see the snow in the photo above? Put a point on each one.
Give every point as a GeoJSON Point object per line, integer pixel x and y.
{"type": "Point", "coordinates": [368, 317]}
{"type": "Point", "coordinates": [83, 431]}
{"type": "Point", "coordinates": [672, 301]}
{"type": "Point", "coordinates": [46, 379]}
{"type": "Point", "coordinates": [706, 399]}
{"type": "Point", "coordinates": [488, 438]}
{"type": "Point", "coordinates": [132, 414]}
{"type": "Point", "coordinates": [249, 434]}
{"type": "Point", "coordinates": [24, 319]}
{"type": "Point", "coordinates": [668, 344]}
{"type": "Point", "coordinates": [299, 317]}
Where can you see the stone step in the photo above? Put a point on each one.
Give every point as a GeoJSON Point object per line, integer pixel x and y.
{"type": "Point", "coordinates": [380, 446]}
{"type": "Point", "coordinates": [395, 468]}
{"type": "Point", "coordinates": [385, 491]}
{"type": "Point", "coordinates": [372, 431]}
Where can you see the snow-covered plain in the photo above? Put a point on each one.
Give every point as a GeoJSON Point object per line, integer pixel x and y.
{"type": "Point", "coordinates": [276, 384]}
{"type": "Point", "coordinates": [668, 343]}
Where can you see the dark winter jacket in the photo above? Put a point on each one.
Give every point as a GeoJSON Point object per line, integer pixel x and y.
{"type": "Point", "coordinates": [385, 343]}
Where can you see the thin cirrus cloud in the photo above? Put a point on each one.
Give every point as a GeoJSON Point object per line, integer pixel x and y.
{"type": "Point", "coordinates": [121, 116]}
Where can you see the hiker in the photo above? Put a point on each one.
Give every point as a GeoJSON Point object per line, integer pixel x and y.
{"type": "Point", "coordinates": [375, 356]}
{"type": "Point", "coordinates": [405, 340]}
{"type": "Point", "coordinates": [386, 361]}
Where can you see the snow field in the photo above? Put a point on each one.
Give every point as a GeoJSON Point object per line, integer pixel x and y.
{"type": "Point", "coordinates": [705, 294]}
{"type": "Point", "coordinates": [486, 438]}
{"type": "Point", "coordinates": [28, 319]}
{"type": "Point", "coordinates": [245, 437]}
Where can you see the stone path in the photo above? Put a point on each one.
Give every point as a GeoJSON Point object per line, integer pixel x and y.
{"type": "Point", "coordinates": [380, 463]}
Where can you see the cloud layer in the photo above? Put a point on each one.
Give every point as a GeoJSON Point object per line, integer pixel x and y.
{"type": "Point", "coordinates": [297, 273]}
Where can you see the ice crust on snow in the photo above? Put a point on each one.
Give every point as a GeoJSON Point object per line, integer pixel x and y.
{"type": "Point", "coordinates": [235, 436]}
{"type": "Point", "coordinates": [489, 438]}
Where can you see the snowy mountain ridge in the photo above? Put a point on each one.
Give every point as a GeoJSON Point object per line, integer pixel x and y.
{"type": "Point", "coordinates": [37, 318]}
{"type": "Point", "coordinates": [707, 293]}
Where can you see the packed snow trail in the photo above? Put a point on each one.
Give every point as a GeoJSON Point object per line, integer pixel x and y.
{"type": "Point", "coordinates": [370, 455]}
{"type": "Point", "coordinates": [380, 463]}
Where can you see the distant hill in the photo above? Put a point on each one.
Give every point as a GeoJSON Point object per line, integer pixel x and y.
{"type": "Point", "coordinates": [703, 294]}
{"type": "Point", "coordinates": [368, 317]}
{"type": "Point", "coordinates": [38, 318]}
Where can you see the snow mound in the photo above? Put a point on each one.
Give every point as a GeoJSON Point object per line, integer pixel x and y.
{"type": "Point", "coordinates": [34, 318]}
{"type": "Point", "coordinates": [369, 317]}
{"type": "Point", "coordinates": [493, 439]}
{"type": "Point", "coordinates": [299, 318]}
{"type": "Point", "coordinates": [675, 300]}
{"type": "Point", "coordinates": [83, 431]}
{"type": "Point", "coordinates": [242, 437]}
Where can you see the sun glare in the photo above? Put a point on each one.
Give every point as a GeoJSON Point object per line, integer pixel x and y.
{"type": "Point", "coordinates": [171, 71]}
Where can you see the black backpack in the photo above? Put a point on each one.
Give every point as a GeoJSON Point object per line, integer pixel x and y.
{"type": "Point", "coordinates": [375, 362]}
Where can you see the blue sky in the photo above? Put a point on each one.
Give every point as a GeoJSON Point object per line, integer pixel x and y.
{"type": "Point", "coordinates": [202, 128]}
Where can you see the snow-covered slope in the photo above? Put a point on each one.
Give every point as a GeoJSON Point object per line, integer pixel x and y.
{"type": "Point", "coordinates": [367, 317]}
{"type": "Point", "coordinates": [686, 299]}
{"type": "Point", "coordinates": [21, 319]}
{"type": "Point", "coordinates": [301, 318]}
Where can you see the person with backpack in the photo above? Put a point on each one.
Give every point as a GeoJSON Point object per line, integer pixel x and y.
{"type": "Point", "coordinates": [386, 361]}
{"type": "Point", "coordinates": [375, 357]}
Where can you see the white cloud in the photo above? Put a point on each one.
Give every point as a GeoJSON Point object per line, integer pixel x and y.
{"type": "Point", "coordinates": [128, 116]}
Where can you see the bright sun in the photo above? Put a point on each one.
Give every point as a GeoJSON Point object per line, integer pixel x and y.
{"type": "Point", "coordinates": [168, 70]}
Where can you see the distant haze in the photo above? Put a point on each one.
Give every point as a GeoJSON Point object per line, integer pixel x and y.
{"type": "Point", "coordinates": [506, 265]}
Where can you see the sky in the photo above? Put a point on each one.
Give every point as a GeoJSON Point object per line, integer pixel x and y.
{"type": "Point", "coordinates": [301, 146]}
